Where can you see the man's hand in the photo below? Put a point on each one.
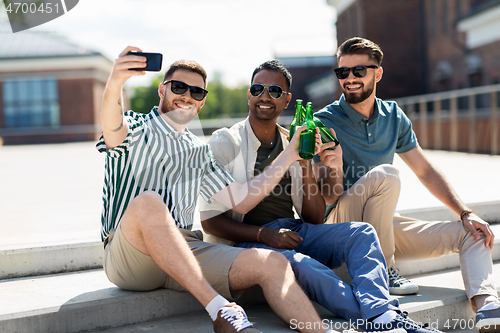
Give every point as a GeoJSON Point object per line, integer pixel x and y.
{"type": "Point", "coordinates": [280, 239]}
{"type": "Point", "coordinates": [114, 126]}
{"type": "Point", "coordinates": [474, 223]}
{"type": "Point", "coordinates": [331, 158]}
{"type": "Point", "coordinates": [124, 62]}
{"type": "Point", "coordinates": [295, 143]}
{"type": "Point", "coordinates": [307, 163]}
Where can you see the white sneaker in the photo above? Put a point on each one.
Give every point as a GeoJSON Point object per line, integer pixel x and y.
{"type": "Point", "coordinates": [399, 285]}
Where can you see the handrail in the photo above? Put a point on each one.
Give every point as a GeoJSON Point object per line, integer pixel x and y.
{"type": "Point", "coordinates": [448, 94]}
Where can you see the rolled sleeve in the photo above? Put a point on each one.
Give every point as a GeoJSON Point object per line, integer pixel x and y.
{"type": "Point", "coordinates": [136, 129]}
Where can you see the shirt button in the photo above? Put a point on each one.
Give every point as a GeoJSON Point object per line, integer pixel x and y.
{"type": "Point", "coordinates": [369, 134]}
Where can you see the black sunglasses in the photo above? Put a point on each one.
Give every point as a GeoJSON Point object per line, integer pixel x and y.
{"type": "Point", "coordinates": [357, 71]}
{"type": "Point", "coordinates": [274, 91]}
{"type": "Point", "coordinates": [179, 88]}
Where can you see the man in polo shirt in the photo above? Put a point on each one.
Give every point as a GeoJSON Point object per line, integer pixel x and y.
{"type": "Point", "coordinates": [155, 169]}
{"type": "Point", "coordinates": [371, 131]}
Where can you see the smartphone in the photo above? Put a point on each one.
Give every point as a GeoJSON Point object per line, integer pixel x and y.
{"type": "Point", "coordinates": [153, 63]}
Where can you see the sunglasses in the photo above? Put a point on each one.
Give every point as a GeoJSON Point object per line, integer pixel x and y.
{"type": "Point", "coordinates": [274, 91]}
{"type": "Point", "coordinates": [179, 88]}
{"type": "Point", "coordinates": [358, 71]}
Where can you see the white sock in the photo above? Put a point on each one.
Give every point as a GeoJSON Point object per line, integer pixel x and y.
{"type": "Point", "coordinates": [385, 317]}
{"type": "Point", "coordinates": [215, 305]}
{"type": "Point", "coordinates": [491, 306]}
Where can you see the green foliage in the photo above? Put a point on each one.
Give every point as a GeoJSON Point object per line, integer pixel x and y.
{"type": "Point", "coordinates": [221, 102]}
{"type": "Point", "coordinates": [144, 98]}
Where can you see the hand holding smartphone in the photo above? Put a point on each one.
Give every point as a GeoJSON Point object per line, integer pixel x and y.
{"type": "Point", "coordinates": [153, 63]}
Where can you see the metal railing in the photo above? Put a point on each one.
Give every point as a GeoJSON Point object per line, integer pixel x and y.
{"type": "Point", "coordinates": [457, 120]}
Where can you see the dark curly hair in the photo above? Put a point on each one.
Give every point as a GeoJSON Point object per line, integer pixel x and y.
{"type": "Point", "coordinates": [277, 66]}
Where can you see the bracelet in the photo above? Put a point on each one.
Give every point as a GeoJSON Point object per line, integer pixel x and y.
{"type": "Point", "coordinates": [258, 233]}
{"type": "Point", "coordinates": [467, 211]}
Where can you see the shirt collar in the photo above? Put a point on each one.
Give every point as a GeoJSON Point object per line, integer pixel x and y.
{"type": "Point", "coordinates": [355, 117]}
{"type": "Point", "coordinates": [255, 141]}
{"type": "Point", "coordinates": [164, 126]}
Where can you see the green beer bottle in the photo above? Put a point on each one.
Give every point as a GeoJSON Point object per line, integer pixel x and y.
{"type": "Point", "coordinates": [308, 136]}
{"type": "Point", "coordinates": [297, 118]}
{"type": "Point", "coordinates": [326, 136]}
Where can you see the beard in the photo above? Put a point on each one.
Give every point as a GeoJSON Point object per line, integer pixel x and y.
{"type": "Point", "coordinates": [178, 115]}
{"type": "Point", "coordinates": [358, 97]}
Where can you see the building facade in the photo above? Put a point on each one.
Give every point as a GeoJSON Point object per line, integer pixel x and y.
{"type": "Point", "coordinates": [429, 45]}
{"type": "Point", "coordinates": [313, 80]}
{"type": "Point", "coordinates": [50, 89]}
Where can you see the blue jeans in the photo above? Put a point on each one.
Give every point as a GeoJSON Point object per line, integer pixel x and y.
{"type": "Point", "coordinates": [328, 246]}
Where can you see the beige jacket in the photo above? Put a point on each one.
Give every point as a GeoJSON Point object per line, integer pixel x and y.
{"type": "Point", "coordinates": [235, 149]}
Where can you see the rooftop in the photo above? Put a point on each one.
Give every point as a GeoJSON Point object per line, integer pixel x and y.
{"type": "Point", "coordinates": [36, 44]}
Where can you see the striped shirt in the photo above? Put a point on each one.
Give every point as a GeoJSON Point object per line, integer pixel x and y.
{"type": "Point", "coordinates": [155, 157]}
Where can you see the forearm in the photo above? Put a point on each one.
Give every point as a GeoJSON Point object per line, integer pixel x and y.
{"type": "Point", "coordinates": [248, 195]}
{"type": "Point", "coordinates": [113, 125]}
{"type": "Point", "coordinates": [433, 179]}
{"type": "Point", "coordinates": [437, 184]}
{"type": "Point", "coordinates": [224, 227]}
{"type": "Point", "coordinates": [330, 181]}
{"type": "Point", "coordinates": [313, 204]}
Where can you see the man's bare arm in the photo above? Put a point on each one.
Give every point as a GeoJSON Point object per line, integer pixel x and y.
{"type": "Point", "coordinates": [227, 228]}
{"type": "Point", "coordinates": [114, 126]}
{"type": "Point", "coordinates": [243, 197]}
{"type": "Point", "coordinates": [439, 186]}
{"type": "Point", "coordinates": [313, 204]}
{"type": "Point", "coordinates": [329, 172]}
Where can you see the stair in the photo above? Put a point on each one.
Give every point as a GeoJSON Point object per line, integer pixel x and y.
{"type": "Point", "coordinates": [64, 289]}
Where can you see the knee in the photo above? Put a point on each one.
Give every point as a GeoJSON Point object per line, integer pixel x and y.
{"type": "Point", "coordinates": [269, 262]}
{"type": "Point", "coordinates": [147, 200]}
{"type": "Point", "coordinates": [388, 176]}
{"type": "Point", "coordinates": [365, 230]}
{"type": "Point", "coordinates": [146, 205]}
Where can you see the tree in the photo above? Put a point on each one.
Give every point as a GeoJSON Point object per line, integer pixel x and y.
{"type": "Point", "coordinates": [144, 98]}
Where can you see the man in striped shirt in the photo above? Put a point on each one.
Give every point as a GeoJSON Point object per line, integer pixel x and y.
{"type": "Point", "coordinates": [155, 169]}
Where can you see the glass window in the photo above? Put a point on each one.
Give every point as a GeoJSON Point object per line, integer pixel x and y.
{"type": "Point", "coordinates": [30, 102]}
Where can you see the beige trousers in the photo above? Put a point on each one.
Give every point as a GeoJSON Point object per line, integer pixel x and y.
{"type": "Point", "coordinates": [373, 199]}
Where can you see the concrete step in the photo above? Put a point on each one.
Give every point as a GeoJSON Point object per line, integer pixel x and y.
{"type": "Point", "coordinates": [85, 301]}
{"type": "Point", "coordinates": [82, 256]}
{"type": "Point", "coordinates": [53, 259]}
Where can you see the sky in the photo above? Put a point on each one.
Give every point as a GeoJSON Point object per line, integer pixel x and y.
{"type": "Point", "coordinates": [230, 37]}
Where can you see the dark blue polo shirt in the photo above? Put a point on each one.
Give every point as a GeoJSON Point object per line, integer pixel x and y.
{"type": "Point", "coordinates": [367, 143]}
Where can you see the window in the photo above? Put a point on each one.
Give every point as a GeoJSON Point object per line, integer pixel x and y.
{"type": "Point", "coordinates": [30, 102]}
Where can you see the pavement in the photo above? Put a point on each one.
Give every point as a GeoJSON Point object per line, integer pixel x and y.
{"type": "Point", "coordinates": [51, 193]}
{"type": "Point", "coordinates": [50, 206]}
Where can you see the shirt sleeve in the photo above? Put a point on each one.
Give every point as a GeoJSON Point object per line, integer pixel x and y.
{"type": "Point", "coordinates": [407, 140]}
{"type": "Point", "coordinates": [136, 128]}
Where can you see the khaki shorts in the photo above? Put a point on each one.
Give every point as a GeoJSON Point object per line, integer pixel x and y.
{"type": "Point", "coordinates": [131, 269]}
